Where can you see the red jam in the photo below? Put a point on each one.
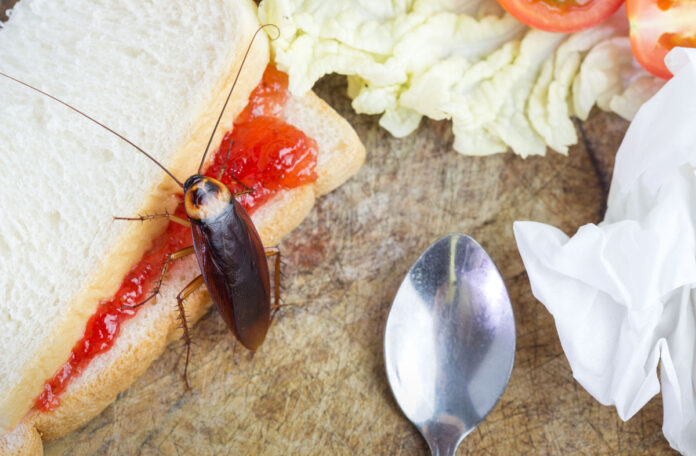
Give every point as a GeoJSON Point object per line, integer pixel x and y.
{"type": "Point", "coordinates": [265, 153]}
{"type": "Point", "coordinates": [103, 327]}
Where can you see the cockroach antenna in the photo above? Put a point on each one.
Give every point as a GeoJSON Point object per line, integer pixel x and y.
{"type": "Point", "coordinates": [229, 95]}
{"type": "Point", "coordinates": [215, 219]}
{"type": "Point", "coordinates": [96, 122]}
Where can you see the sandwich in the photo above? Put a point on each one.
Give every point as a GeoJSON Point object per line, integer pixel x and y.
{"type": "Point", "coordinates": [157, 72]}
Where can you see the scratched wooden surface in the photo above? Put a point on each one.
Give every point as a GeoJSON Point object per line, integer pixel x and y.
{"type": "Point", "coordinates": [318, 386]}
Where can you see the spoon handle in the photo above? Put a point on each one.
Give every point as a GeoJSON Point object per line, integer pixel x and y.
{"type": "Point", "coordinates": [443, 438]}
{"type": "Point", "coordinates": [443, 448]}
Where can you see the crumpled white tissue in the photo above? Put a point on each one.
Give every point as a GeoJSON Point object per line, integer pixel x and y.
{"type": "Point", "coordinates": [623, 292]}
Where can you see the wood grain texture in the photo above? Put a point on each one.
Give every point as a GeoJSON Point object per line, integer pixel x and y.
{"type": "Point", "coordinates": [317, 386]}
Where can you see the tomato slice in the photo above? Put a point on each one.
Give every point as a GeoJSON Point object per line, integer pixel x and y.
{"type": "Point", "coordinates": [561, 15]}
{"type": "Point", "coordinates": [656, 27]}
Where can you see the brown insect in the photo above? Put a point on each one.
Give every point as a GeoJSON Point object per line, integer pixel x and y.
{"type": "Point", "coordinates": [228, 248]}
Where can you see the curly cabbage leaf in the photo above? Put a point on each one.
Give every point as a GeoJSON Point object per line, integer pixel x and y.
{"type": "Point", "coordinates": [503, 86]}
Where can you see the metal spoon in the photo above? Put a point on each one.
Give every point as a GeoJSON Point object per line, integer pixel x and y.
{"type": "Point", "coordinates": [449, 343]}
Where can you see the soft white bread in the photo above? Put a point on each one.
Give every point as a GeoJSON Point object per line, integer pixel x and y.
{"type": "Point", "coordinates": [157, 72]}
{"type": "Point", "coordinates": [144, 337]}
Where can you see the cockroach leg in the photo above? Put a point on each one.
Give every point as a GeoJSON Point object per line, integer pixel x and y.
{"type": "Point", "coordinates": [246, 190]}
{"type": "Point", "coordinates": [142, 218]}
{"type": "Point", "coordinates": [185, 293]}
{"type": "Point", "coordinates": [275, 252]}
{"type": "Point", "coordinates": [171, 257]}
{"type": "Point", "coordinates": [227, 160]}
{"type": "Point", "coordinates": [243, 192]}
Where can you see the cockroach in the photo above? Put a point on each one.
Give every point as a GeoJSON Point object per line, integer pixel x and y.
{"type": "Point", "coordinates": [232, 259]}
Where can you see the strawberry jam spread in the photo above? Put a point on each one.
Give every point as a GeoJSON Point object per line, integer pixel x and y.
{"type": "Point", "coordinates": [264, 153]}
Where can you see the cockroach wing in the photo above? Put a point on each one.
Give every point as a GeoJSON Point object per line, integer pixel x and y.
{"type": "Point", "coordinates": [234, 266]}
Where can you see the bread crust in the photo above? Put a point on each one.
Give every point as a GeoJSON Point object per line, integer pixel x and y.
{"type": "Point", "coordinates": [24, 440]}
{"type": "Point", "coordinates": [145, 337]}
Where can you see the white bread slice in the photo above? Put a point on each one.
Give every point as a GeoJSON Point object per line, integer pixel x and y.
{"type": "Point", "coordinates": [143, 338]}
{"type": "Point", "coordinates": [157, 71]}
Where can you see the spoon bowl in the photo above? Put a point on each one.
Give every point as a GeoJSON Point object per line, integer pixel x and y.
{"type": "Point", "coordinates": [449, 342]}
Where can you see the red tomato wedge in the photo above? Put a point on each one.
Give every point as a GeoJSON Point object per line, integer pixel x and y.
{"type": "Point", "coordinates": [561, 15]}
{"type": "Point", "coordinates": [656, 27]}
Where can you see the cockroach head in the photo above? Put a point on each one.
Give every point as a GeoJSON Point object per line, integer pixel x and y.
{"type": "Point", "coordinates": [205, 198]}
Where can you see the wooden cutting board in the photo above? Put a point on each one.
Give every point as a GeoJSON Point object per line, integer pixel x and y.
{"type": "Point", "coordinates": [318, 384]}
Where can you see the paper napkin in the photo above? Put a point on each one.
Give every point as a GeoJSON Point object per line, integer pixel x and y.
{"type": "Point", "coordinates": [623, 292]}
